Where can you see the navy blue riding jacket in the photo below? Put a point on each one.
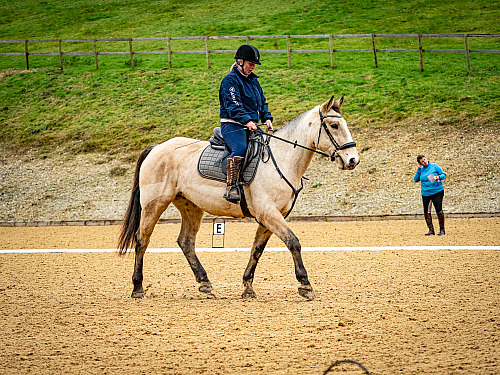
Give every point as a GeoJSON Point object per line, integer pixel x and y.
{"type": "Point", "coordinates": [241, 98]}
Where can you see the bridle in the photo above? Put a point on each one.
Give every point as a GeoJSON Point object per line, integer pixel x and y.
{"type": "Point", "coordinates": [295, 144]}
{"type": "Point", "coordinates": [323, 125]}
{"type": "Point", "coordinates": [334, 142]}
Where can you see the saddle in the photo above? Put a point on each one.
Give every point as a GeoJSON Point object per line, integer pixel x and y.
{"type": "Point", "coordinates": [213, 159]}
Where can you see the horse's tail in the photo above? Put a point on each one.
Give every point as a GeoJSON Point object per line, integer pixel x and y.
{"type": "Point", "coordinates": [132, 218]}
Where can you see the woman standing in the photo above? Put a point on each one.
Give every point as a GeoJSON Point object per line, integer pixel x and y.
{"type": "Point", "coordinates": [431, 176]}
{"type": "Point", "coordinates": [242, 106]}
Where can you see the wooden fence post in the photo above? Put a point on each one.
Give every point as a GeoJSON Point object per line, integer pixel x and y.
{"type": "Point", "coordinates": [60, 54]}
{"type": "Point", "coordinates": [420, 52]}
{"type": "Point", "coordinates": [332, 64]}
{"type": "Point", "coordinates": [374, 51]}
{"type": "Point", "coordinates": [288, 51]}
{"type": "Point", "coordinates": [467, 52]}
{"type": "Point", "coordinates": [247, 39]}
{"type": "Point", "coordinates": [207, 52]}
{"type": "Point", "coordinates": [131, 53]}
{"type": "Point", "coordinates": [169, 52]}
{"type": "Point", "coordinates": [26, 54]}
{"type": "Point", "coordinates": [95, 55]}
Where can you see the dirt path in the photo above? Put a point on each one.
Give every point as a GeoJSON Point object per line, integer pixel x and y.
{"type": "Point", "coordinates": [411, 312]}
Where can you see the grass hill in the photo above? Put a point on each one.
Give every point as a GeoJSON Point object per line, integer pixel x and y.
{"type": "Point", "coordinates": [117, 109]}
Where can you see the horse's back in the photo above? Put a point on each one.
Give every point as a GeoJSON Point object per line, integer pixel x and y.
{"type": "Point", "coordinates": [176, 151]}
{"type": "Point", "coordinates": [167, 160]}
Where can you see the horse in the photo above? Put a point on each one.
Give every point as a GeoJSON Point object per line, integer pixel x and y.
{"type": "Point", "coordinates": [167, 173]}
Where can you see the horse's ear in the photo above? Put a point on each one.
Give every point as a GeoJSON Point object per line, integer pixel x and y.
{"type": "Point", "coordinates": [325, 107]}
{"type": "Point", "coordinates": [337, 104]}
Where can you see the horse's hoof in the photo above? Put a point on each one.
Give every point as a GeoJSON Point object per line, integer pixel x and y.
{"type": "Point", "coordinates": [205, 288]}
{"type": "Point", "coordinates": [307, 292]}
{"type": "Point", "coordinates": [247, 294]}
{"type": "Point", "coordinates": [139, 294]}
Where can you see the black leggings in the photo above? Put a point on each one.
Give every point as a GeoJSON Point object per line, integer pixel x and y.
{"type": "Point", "coordinates": [436, 199]}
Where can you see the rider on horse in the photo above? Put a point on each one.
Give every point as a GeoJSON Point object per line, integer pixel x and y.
{"type": "Point", "coordinates": [242, 105]}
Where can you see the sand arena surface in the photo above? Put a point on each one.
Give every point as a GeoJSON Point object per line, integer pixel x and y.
{"type": "Point", "coordinates": [411, 312]}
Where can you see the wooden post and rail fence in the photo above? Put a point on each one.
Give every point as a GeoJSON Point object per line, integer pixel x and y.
{"type": "Point", "coordinates": [289, 51]}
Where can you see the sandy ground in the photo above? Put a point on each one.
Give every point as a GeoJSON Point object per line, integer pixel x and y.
{"type": "Point", "coordinates": [411, 312]}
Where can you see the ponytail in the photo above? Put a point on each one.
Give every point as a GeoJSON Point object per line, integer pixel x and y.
{"type": "Point", "coordinates": [238, 62]}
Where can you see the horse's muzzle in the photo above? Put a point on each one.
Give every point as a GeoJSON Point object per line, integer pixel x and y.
{"type": "Point", "coordinates": [348, 164]}
{"type": "Point", "coordinates": [352, 163]}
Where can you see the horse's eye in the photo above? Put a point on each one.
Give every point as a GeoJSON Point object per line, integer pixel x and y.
{"type": "Point", "coordinates": [335, 126]}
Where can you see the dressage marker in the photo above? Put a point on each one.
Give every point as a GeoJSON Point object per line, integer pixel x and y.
{"type": "Point", "coordinates": [218, 233]}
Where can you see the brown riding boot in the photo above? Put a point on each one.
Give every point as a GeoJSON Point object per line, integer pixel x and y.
{"type": "Point", "coordinates": [440, 216]}
{"type": "Point", "coordinates": [233, 172]}
{"type": "Point", "coordinates": [428, 220]}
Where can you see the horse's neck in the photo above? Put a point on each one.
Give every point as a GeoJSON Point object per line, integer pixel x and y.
{"type": "Point", "coordinates": [294, 160]}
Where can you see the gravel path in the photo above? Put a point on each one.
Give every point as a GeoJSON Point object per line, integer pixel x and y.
{"type": "Point", "coordinates": [68, 187]}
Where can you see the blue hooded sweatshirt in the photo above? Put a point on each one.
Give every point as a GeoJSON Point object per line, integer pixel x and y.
{"type": "Point", "coordinates": [428, 187]}
{"type": "Point", "coordinates": [241, 98]}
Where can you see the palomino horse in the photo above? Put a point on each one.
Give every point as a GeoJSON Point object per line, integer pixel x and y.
{"type": "Point", "coordinates": [167, 173]}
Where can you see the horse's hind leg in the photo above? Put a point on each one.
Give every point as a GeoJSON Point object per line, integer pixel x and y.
{"type": "Point", "coordinates": [261, 238]}
{"type": "Point", "coordinates": [191, 221]}
{"type": "Point", "coordinates": [149, 217]}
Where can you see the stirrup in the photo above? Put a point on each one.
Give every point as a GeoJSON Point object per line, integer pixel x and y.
{"type": "Point", "coordinates": [233, 198]}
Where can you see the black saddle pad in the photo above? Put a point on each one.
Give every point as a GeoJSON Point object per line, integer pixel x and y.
{"type": "Point", "coordinates": [213, 161]}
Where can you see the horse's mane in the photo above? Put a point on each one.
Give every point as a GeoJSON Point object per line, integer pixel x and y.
{"type": "Point", "coordinates": [284, 129]}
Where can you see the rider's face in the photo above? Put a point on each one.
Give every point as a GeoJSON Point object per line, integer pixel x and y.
{"type": "Point", "coordinates": [248, 67]}
{"type": "Point", "coordinates": [423, 162]}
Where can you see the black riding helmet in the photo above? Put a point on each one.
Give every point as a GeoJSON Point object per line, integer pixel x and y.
{"type": "Point", "coordinates": [248, 53]}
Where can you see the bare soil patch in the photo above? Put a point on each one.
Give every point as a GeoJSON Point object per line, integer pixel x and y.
{"type": "Point", "coordinates": [65, 187]}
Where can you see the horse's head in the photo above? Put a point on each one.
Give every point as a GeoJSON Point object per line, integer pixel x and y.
{"type": "Point", "coordinates": [334, 137]}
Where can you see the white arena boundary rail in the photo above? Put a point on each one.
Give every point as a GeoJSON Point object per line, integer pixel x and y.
{"type": "Point", "coordinates": [246, 249]}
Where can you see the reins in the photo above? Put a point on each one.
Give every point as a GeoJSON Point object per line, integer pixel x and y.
{"type": "Point", "coordinates": [258, 139]}
{"type": "Point", "coordinates": [328, 133]}
{"type": "Point", "coordinates": [295, 144]}
{"type": "Point", "coordinates": [271, 156]}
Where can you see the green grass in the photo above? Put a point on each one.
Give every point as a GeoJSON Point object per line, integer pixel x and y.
{"type": "Point", "coordinates": [128, 18]}
{"type": "Point", "coordinates": [116, 109]}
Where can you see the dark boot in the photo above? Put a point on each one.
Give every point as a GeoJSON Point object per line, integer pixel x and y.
{"type": "Point", "coordinates": [440, 216]}
{"type": "Point", "coordinates": [233, 172]}
{"type": "Point", "coordinates": [428, 220]}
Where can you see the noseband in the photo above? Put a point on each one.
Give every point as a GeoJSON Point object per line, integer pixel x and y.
{"type": "Point", "coordinates": [334, 142]}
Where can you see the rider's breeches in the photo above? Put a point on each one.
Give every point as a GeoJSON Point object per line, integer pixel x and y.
{"type": "Point", "coordinates": [436, 199]}
{"type": "Point", "coordinates": [236, 138]}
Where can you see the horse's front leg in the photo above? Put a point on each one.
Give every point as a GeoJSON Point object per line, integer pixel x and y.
{"type": "Point", "coordinates": [305, 288]}
{"type": "Point", "coordinates": [261, 238]}
{"type": "Point", "coordinates": [275, 222]}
